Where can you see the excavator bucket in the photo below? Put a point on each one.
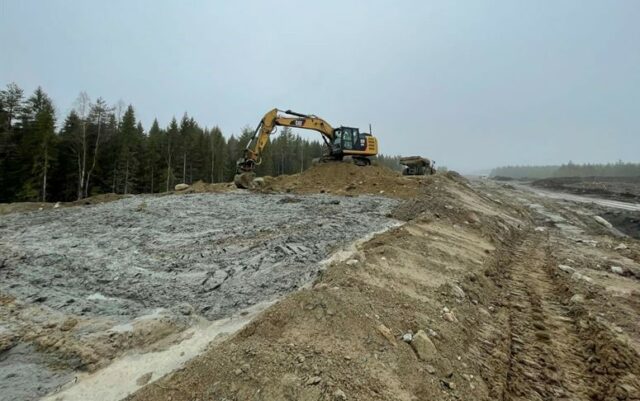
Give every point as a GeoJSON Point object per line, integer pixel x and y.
{"type": "Point", "coordinates": [244, 180]}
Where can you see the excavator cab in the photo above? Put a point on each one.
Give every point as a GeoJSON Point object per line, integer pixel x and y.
{"type": "Point", "coordinates": [346, 139]}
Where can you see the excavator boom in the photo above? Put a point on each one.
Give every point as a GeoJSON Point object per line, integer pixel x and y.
{"type": "Point", "coordinates": [267, 126]}
{"type": "Point", "coordinates": [343, 141]}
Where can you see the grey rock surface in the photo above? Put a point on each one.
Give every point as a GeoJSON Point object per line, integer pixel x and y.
{"type": "Point", "coordinates": [216, 252]}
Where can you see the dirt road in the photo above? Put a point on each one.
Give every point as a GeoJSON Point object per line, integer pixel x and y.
{"type": "Point", "coordinates": [608, 203]}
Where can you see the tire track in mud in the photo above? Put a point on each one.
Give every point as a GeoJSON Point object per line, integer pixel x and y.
{"type": "Point", "coordinates": [544, 348]}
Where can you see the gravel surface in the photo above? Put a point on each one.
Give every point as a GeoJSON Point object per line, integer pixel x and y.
{"type": "Point", "coordinates": [211, 254]}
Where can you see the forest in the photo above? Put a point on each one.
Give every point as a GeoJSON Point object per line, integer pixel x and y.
{"type": "Point", "coordinates": [103, 148]}
{"type": "Point", "coordinates": [618, 169]}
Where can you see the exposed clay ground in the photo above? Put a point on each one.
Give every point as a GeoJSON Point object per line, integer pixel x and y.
{"type": "Point", "coordinates": [487, 292]}
{"type": "Point", "coordinates": [621, 188]}
{"type": "Point", "coordinates": [80, 285]}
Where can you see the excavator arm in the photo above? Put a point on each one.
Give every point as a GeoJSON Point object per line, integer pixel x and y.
{"type": "Point", "coordinates": [267, 126]}
{"type": "Point", "coordinates": [341, 142]}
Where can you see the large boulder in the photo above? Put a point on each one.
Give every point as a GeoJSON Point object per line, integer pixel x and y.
{"type": "Point", "coordinates": [423, 346]}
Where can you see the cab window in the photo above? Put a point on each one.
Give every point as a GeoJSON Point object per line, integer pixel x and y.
{"type": "Point", "coordinates": [347, 139]}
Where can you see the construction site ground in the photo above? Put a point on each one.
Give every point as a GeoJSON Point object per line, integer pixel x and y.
{"type": "Point", "coordinates": [339, 283]}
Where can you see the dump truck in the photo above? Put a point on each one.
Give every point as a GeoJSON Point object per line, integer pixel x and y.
{"type": "Point", "coordinates": [417, 165]}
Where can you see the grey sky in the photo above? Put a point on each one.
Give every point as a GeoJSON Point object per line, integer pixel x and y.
{"type": "Point", "coordinates": [471, 84]}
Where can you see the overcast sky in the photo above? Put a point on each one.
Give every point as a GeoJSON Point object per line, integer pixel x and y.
{"type": "Point", "coordinates": [472, 84]}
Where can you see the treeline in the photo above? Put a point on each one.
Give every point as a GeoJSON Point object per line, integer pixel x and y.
{"type": "Point", "coordinates": [100, 148]}
{"type": "Point", "coordinates": [392, 162]}
{"type": "Point", "coordinates": [619, 169]}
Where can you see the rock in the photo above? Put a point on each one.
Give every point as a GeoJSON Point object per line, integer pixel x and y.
{"type": "Point", "coordinates": [181, 187]}
{"type": "Point", "coordinates": [580, 276]}
{"type": "Point", "coordinates": [617, 270]}
{"type": "Point", "coordinates": [339, 395]}
{"type": "Point", "coordinates": [567, 269]}
{"type": "Point", "coordinates": [352, 262]}
{"type": "Point", "coordinates": [577, 298]}
{"type": "Point", "coordinates": [57, 205]}
{"type": "Point", "coordinates": [587, 241]}
{"type": "Point", "coordinates": [430, 369]}
{"type": "Point", "coordinates": [422, 345]}
{"type": "Point", "coordinates": [300, 358]}
{"type": "Point", "coordinates": [386, 333]}
{"type": "Point", "coordinates": [621, 247]}
{"type": "Point", "coordinates": [185, 309]}
{"type": "Point", "coordinates": [457, 291]}
{"type": "Point", "coordinates": [407, 337]}
{"type": "Point", "coordinates": [450, 317]}
{"type": "Point", "coordinates": [602, 222]}
{"type": "Point", "coordinates": [214, 281]}
{"type": "Point", "coordinates": [68, 324]}
{"type": "Point", "coordinates": [539, 229]}
{"type": "Point", "coordinates": [473, 218]}
{"type": "Point", "coordinates": [7, 341]}
{"type": "Point", "coordinates": [289, 199]}
{"type": "Point", "coordinates": [313, 380]}
{"type": "Point", "coordinates": [144, 379]}
{"type": "Point", "coordinates": [238, 372]}
{"type": "Point", "coordinates": [449, 384]}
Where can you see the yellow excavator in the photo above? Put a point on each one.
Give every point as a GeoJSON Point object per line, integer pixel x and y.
{"type": "Point", "coordinates": [341, 143]}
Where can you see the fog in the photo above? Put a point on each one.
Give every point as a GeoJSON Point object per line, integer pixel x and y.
{"type": "Point", "coordinates": [470, 84]}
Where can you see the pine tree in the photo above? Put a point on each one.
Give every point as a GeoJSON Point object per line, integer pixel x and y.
{"type": "Point", "coordinates": [170, 144]}
{"type": "Point", "coordinates": [129, 150]}
{"type": "Point", "coordinates": [11, 100]}
{"type": "Point", "coordinates": [37, 146]}
{"type": "Point", "coordinates": [154, 155]}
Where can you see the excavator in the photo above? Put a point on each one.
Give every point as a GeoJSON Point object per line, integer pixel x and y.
{"type": "Point", "coordinates": [341, 143]}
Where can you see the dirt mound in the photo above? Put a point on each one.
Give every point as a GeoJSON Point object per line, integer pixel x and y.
{"type": "Point", "coordinates": [199, 187]}
{"type": "Point", "coordinates": [98, 199]}
{"type": "Point", "coordinates": [350, 337]}
{"type": "Point", "coordinates": [347, 179]}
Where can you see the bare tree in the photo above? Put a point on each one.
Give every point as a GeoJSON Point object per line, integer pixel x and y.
{"type": "Point", "coordinates": [99, 111]}
{"type": "Point", "coordinates": [82, 106]}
